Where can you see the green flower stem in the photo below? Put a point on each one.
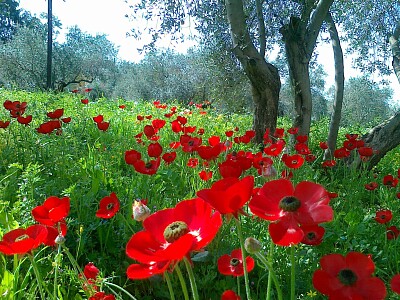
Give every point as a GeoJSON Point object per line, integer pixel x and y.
{"type": "Point", "coordinates": [38, 277]}
{"type": "Point", "coordinates": [271, 273]}
{"type": "Point", "coordinates": [191, 279]}
{"type": "Point", "coordinates": [182, 281]}
{"type": "Point", "coordinates": [120, 288]}
{"type": "Point", "coordinates": [292, 273]}
{"type": "Point", "coordinates": [238, 284]}
{"type": "Point", "coordinates": [170, 289]}
{"type": "Point", "coordinates": [246, 275]}
{"type": "Point", "coordinates": [57, 261]}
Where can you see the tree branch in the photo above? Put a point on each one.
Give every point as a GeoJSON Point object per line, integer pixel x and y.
{"type": "Point", "coordinates": [317, 17]}
{"type": "Point", "coordinates": [261, 27]}
{"type": "Point", "coordinates": [395, 47]}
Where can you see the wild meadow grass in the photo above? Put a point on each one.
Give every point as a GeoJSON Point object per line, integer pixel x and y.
{"type": "Point", "coordinates": [86, 165]}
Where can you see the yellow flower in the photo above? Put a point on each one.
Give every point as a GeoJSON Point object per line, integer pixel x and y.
{"type": "Point", "coordinates": [312, 294]}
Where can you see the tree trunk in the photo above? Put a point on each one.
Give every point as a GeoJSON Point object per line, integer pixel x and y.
{"type": "Point", "coordinates": [264, 77]}
{"type": "Point", "coordinates": [300, 37]}
{"type": "Point", "coordinates": [382, 138]}
{"type": "Point", "coordinates": [395, 46]}
{"type": "Point", "coordinates": [339, 87]}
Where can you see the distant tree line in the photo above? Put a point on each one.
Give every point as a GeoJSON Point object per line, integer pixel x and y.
{"type": "Point", "coordinates": [204, 73]}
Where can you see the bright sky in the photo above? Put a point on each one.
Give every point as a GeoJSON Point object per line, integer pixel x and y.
{"type": "Point", "coordinates": [102, 17]}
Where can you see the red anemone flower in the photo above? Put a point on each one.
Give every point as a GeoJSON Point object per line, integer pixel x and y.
{"type": "Point", "coordinates": [108, 207]}
{"type": "Point", "coordinates": [395, 284]}
{"type": "Point", "coordinates": [171, 234]}
{"type": "Point", "coordinates": [52, 211]}
{"type": "Point", "coordinates": [98, 119]}
{"type": "Point", "coordinates": [102, 296]}
{"type": "Point", "coordinates": [371, 186]}
{"type": "Point", "coordinates": [383, 216]}
{"type": "Point", "coordinates": [132, 156]}
{"type": "Point", "coordinates": [390, 181]}
{"type": "Point", "coordinates": [4, 124]}
{"type": "Point", "coordinates": [85, 101]}
{"type": "Point", "coordinates": [149, 168]}
{"type": "Point", "coordinates": [205, 175]}
{"type": "Point", "coordinates": [365, 151]}
{"type": "Point", "coordinates": [24, 120]}
{"type": "Point", "coordinates": [91, 271]}
{"type": "Point", "coordinates": [230, 295]}
{"type": "Point", "coordinates": [392, 232]}
{"type": "Point", "coordinates": [348, 277]}
{"type": "Point", "coordinates": [313, 234]}
{"type": "Point", "coordinates": [56, 114]}
{"type": "Point", "coordinates": [329, 163]}
{"type": "Point", "coordinates": [22, 241]}
{"type": "Point", "coordinates": [169, 157]}
{"type": "Point", "coordinates": [228, 195]}
{"type": "Point", "coordinates": [288, 207]}
{"type": "Point", "coordinates": [154, 149]}
{"type": "Point", "coordinates": [323, 145]}
{"type": "Point", "coordinates": [103, 126]}
{"type": "Point", "coordinates": [233, 264]}
{"type": "Point", "coordinates": [230, 168]}
{"type": "Point", "coordinates": [293, 161]}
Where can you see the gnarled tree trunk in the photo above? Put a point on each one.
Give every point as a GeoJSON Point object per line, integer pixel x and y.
{"type": "Point", "coordinates": [264, 77]}
{"type": "Point", "coordinates": [300, 37]}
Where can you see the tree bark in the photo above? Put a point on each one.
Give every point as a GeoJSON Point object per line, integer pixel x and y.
{"type": "Point", "coordinates": [395, 47]}
{"type": "Point", "coordinates": [339, 87]}
{"type": "Point", "coordinates": [264, 77]}
{"type": "Point", "coordinates": [300, 37]}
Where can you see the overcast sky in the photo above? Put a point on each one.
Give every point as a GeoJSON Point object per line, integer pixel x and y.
{"type": "Point", "coordinates": [108, 17]}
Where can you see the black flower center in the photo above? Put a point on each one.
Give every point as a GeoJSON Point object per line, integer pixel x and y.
{"type": "Point", "coordinates": [234, 262]}
{"type": "Point", "coordinates": [149, 165]}
{"type": "Point", "coordinates": [311, 236]}
{"type": "Point", "coordinates": [347, 277]}
{"type": "Point", "coordinates": [110, 206]}
{"type": "Point", "coordinates": [175, 230]}
{"type": "Point", "coordinates": [289, 204]}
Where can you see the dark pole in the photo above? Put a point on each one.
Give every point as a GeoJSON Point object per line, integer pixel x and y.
{"type": "Point", "coordinates": [49, 42]}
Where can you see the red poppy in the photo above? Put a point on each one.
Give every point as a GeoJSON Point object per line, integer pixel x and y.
{"type": "Point", "coordinates": [348, 277]}
{"type": "Point", "coordinates": [154, 150]}
{"type": "Point", "coordinates": [328, 163]}
{"type": "Point", "coordinates": [98, 119]}
{"type": "Point", "coordinates": [144, 271]}
{"type": "Point", "coordinates": [169, 157]}
{"type": "Point", "coordinates": [122, 106]}
{"type": "Point", "coordinates": [341, 153]}
{"type": "Point", "coordinates": [102, 296]}
{"type": "Point", "coordinates": [52, 211]}
{"type": "Point", "coordinates": [230, 295]}
{"type": "Point", "coordinates": [365, 151]}
{"type": "Point", "coordinates": [293, 130]}
{"type": "Point", "coordinates": [140, 117]}
{"type": "Point", "coordinates": [228, 195]}
{"type": "Point", "coordinates": [192, 162]}
{"type": "Point", "coordinates": [22, 241]}
{"type": "Point", "coordinates": [398, 195]}
{"type": "Point", "coordinates": [75, 91]}
{"type": "Point", "coordinates": [392, 232]}
{"type": "Point", "coordinates": [229, 133]}
{"type": "Point", "coordinates": [66, 120]}
{"type": "Point", "coordinates": [91, 271]}
{"type": "Point", "coordinates": [189, 143]}
{"type": "Point", "coordinates": [395, 284]}
{"type": "Point", "coordinates": [149, 168]}
{"type": "Point", "coordinates": [293, 161]}
{"type": "Point", "coordinates": [4, 124]}
{"type": "Point", "coordinates": [85, 101]}
{"type": "Point", "coordinates": [288, 207]}
{"type": "Point", "coordinates": [287, 174]}
{"type": "Point", "coordinates": [49, 126]}
{"type": "Point", "coordinates": [205, 175]}
{"type": "Point", "coordinates": [351, 136]}
{"type": "Point", "coordinates": [103, 126]}
{"type": "Point", "coordinates": [233, 264]}
{"type": "Point", "coordinates": [350, 144]}
{"type": "Point", "coordinates": [24, 120]}
{"type": "Point", "coordinates": [323, 145]}
{"type": "Point", "coordinates": [87, 90]}
{"type": "Point", "coordinates": [171, 234]}
{"type": "Point", "coordinates": [132, 156]}
{"type": "Point", "coordinates": [301, 138]}
{"type": "Point", "coordinates": [230, 168]}
{"type": "Point", "coordinates": [58, 113]}
{"type": "Point", "coordinates": [313, 234]}
{"type": "Point", "coordinates": [275, 149]}
{"type": "Point", "coordinates": [383, 216]}
{"type": "Point", "coordinates": [108, 207]}
{"type": "Point", "coordinates": [279, 133]}
{"type": "Point", "coordinates": [149, 131]}
{"type": "Point", "coordinates": [371, 186]}
{"type": "Point", "coordinates": [390, 181]}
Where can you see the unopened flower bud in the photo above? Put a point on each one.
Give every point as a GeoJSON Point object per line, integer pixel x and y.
{"type": "Point", "coordinates": [140, 211]}
{"type": "Point", "coordinates": [252, 245]}
{"type": "Point", "coordinates": [60, 239]}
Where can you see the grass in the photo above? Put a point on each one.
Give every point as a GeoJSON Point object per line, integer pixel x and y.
{"type": "Point", "coordinates": [87, 164]}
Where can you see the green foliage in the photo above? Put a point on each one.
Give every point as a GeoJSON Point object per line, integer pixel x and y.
{"type": "Point", "coordinates": [86, 164]}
